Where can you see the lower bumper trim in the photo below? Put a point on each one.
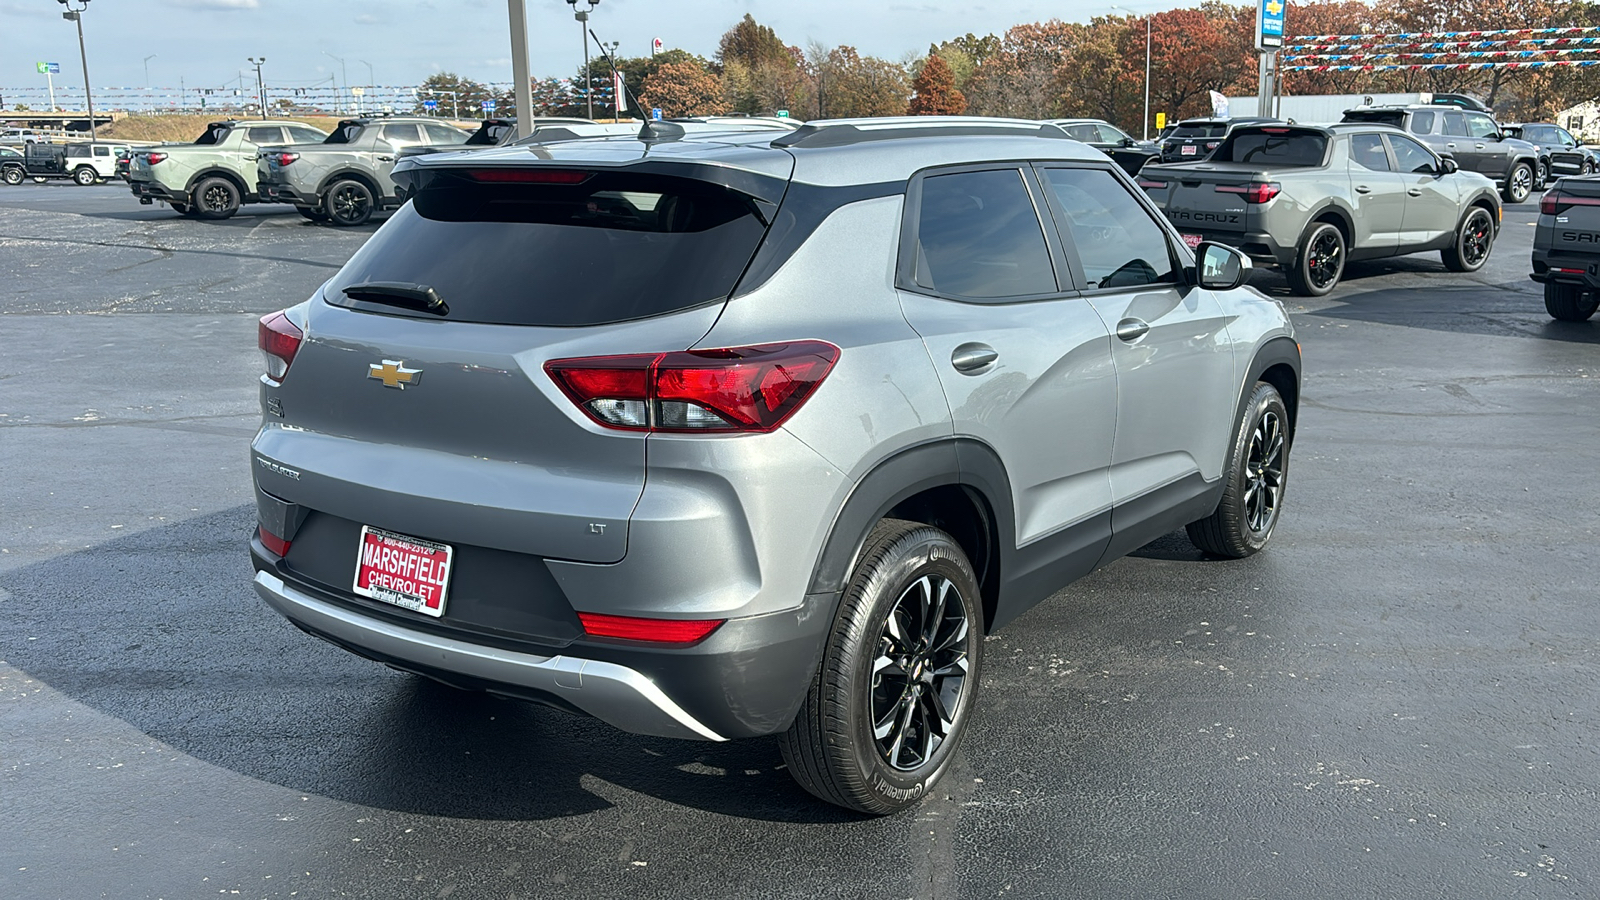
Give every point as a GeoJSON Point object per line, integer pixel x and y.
{"type": "Point", "coordinates": [613, 693]}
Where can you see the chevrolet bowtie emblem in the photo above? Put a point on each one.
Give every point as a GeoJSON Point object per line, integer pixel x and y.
{"type": "Point", "coordinates": [393, 373]}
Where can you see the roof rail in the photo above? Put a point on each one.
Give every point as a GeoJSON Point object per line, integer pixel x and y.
{"type": "Point", "coordinates": [842, 132]}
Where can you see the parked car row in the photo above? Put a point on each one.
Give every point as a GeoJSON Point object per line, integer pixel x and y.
{"type": "Point", "coordinates": [83, 163]}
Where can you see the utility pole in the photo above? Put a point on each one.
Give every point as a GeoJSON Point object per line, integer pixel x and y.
{"type": "Point", "coordinates": [582, 15]}
{"type": "Point", "coordinates": [147, 70]}
{"type": "Point", "coordinates": [521, 80]}
{"type": "Point", "coordinates": [76, 16]}
{"type": "Point", "coordinates": [261, 86]}
{"type": "Point", "coordinates": [338, 105]}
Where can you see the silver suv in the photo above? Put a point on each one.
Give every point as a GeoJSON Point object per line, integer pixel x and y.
{"type": "Point", "coordinates": [717, 435]}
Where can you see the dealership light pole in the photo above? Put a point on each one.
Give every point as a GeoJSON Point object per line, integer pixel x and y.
{"type": "Point", "coordinates": [76, 16]}
{"type": "Point", "coordinates": [582, 15]}
{"type": "Point", "coordinates": [147, 70]}
{"type": "Point", "coordinates": [338, 104]}
{"type": "Point", "coordinates": [522, 83]}
{"type": "Point", "coordinates": [1147, 22]}
{"type": "Point", "coordinates": [261, 86]}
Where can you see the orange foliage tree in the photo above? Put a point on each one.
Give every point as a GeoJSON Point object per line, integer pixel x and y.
{"type": "Point", "coordinates": [934, 90]}
{"type": "Point", "coordinates": [683, 89]}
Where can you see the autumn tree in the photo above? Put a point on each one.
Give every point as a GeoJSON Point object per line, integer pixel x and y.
{"type": "Point", "coordinates": [760, 74]}
{"type": "Point", "coordinates": [683, 89]}
{"type": "Point", "coordinates": [752, 44]}
{"type": "Point", "coordinates": [1019, 78]}
{"type": "Point", "coordinates": [1095, 80]}
{"type": "Point", "coordinates": [934, 90]}
{"type": "Point", "coordinates": [457, 96]}
{"type": "Point", "coordinates": [846, 84]}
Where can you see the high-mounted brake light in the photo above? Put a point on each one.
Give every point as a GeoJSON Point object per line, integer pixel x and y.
{"type": "Point", "coordinates": [738, 389]}
{"type": "Point", "coordinates": [530, 176]}
{"type": "Point", "coordinates": [1276, 130]}
{"type": "Point", "coordinates": [1252, 193]}
{"type": "Point", "coordinates": [656, 631]}
{"type": "Point", "coordinates": [1554, 202]}
{"type": "Point", "coordinates": [156, 156]}
{"type": "Point", "coordinates": [279, 340]}
{"type": "Point", "coordinates": [286, 157]}
{"type": "Point", "coordinates": [277, 545]}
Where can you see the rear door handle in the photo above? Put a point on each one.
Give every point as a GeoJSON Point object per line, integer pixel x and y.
{"type": "Point", "coordinates": [1363, 189]}
{"type": "Point", "coordinates": [1131, 330]}
{"type": "Point", "coordinates": [973, 358]}
{"type": "Point", "coordinates": [1414, 192]}
{"type": "Point", "coordinates": [1477, 146]}
{"type": "Point", "coordinates": [1451, 145]}
{"type": "Point", "coordinates": [385, 159]}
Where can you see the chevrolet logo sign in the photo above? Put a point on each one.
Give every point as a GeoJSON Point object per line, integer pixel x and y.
{"type": "Point", "coordinates": [1274, 7]}
{"type": "Point", "coordinates": [393, 373]}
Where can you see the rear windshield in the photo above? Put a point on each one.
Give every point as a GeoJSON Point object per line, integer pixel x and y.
{"type": "Point", "coordinates": [1200, 131]}
{"type": "Point", "coordinates": [613, 248]}
{"type": "Point", "coordinates": [1395, 117]}
{"type": "Point", "coordinates": [1266, 148]}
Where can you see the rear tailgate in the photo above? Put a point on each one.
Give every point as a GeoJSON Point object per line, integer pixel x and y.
{"type": "Point", "coordinates": [1569, 222]}
{"type": "Point", "coordinates": [1189, 195]}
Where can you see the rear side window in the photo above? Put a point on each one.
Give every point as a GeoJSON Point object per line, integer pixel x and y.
{"type": "Point", "coordinates": [1273, 147]}
{"type": "Point", "coordinates": [612, 248]}
{"type": "Point", "coordinates": [979, 237]}
{"type": "Point", "coordinates": [1366, 151]}
{"type": "Point", "coordinates": [1119, 245]}
{"type": "Point", "coordinates": [304, 135]}
{"type": "Point", "coordinates": [402, 135]}
{"type": "Point", "coordinates": [264, 135]}
{"type": "Point", "coordinates": [438, 134]}
{"type": "Point", "coordinates": [1422, 122]}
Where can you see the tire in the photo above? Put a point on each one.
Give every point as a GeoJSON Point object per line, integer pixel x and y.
{"type": "Point", "coordinates": [348, 203]}
{"type": "Point", "coordinates": [1258, 472]}
{"type": "Point", "coordinates": [85, 176]}
{"type": "Point", "coordinates": [1519, 183]}
{"type": "Point", "coordinates": [312, 213]}
{"type": "Point", "coordinates": [1570, 302]}
{"type": "Point", "coordinates": [38, 180]}
{"type": "Point", "coordinates": [12, 175]}
{"type": "Point", "coordinates": [1588, 167]}
{"type": "Point", "coordinates": [879, 685]}
{"type": "Point", "coordinates": [214, 199]}
{"type": "Point", "coordinates": [1474, 242]}
{"type": "Point", "coordinates": [1319, 261]}
{"type": "Point", "coordinates": [1544, 173]}
{"type": "Point", "coordinates": [183, 209]}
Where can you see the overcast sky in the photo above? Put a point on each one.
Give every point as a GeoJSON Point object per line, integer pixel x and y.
{"type": "Point", "coordinates": [206, 41]}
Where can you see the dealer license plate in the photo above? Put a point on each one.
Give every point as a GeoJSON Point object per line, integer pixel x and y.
{"type": "Point", "coordinates": [404, 571]}
{"type": "Point", "coordinates": [1188, 150]}
{"type": "Point", "coordinates": [1193, 240]}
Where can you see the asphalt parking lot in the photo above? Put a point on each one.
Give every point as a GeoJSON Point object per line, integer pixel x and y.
{"type": "Point", "coordinates": [1400, 698]}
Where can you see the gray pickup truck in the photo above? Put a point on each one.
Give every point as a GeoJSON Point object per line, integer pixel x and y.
{"type": "Point", "coordinates": [1566, 248]}
{"type": "Point", "coordinates": [1307, 199]}
{"type": "Point", "coordinates": [211, 177]}
{"type": "Point", "coordinates": [346, 178]}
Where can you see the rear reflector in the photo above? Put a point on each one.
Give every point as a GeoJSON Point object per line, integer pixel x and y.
{"type": "Point", "coordinates": [1252, 193]}
{"type": "Point", "coordinates": [277, 546]}
{"type": "Point", "coordinates": [530, 176]}
{"type": "Point", "coordinates": [738, 389]}
{"type": "Point", "coordinates": [279, 340]}
{"type": "Point", "coordinates": [655, 631]}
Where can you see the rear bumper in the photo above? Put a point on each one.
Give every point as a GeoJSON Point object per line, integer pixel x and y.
{"type": "Point", "coordinates": [155, 190]}
{"type": "Point", "coordinates": [1564, 269]}
{"type": "Point", "coordinates": [274, 192]}
{"type": "Point", "coordinates": [1261, 247]}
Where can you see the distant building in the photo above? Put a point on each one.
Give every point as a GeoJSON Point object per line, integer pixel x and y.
{"type": "Point", "coordinates": [1582, 120]}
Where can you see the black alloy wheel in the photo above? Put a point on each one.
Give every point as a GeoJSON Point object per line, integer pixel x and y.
{"type": "Point", "coordinates": [886, 710]}
{"type": "Point", "coordinates": [1544, 172]}
{"type": "Point", "coordinates": [1474, 241]}
{"type": "Point", "coordinates": [1257, 475]}
{"type": "Point", "coordinates": [1320, 262]}
{"type": "Point", "coordinates": [348, 203]}
{"type": "Point", "coordinates": [215, 198]}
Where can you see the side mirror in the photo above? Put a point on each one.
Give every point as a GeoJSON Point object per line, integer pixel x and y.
{"type": "Point", "coordinates": [1220, 267]}
{"type": "Point", "coordinates": [1448, 166]}
{"type": "Point", "coordinates": [1126, 142]}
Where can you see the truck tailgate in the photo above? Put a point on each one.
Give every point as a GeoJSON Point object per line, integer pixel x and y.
{"type": "Point", "coordinates": [1205, 198]}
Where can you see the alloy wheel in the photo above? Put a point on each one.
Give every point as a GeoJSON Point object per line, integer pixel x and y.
{"type": "Point", "coordinates": [1327, 259]}
{"type": "Point", "coordinates": [217, 199]}
{"type": "Point", "coordinates": [1521, 183]}
{"type": "Point", "coordinates": [1476, 239]}
{"type": "Point", "coordinates": [919, 672]}
{"type": "Point", "coordinates": [1263, 470]}
{"type": "Point", "coordinates": [349, 204]}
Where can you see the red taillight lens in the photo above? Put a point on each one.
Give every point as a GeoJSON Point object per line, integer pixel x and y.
{"type": "Point", "coordinates": [530, 176]}
{"type": "Point", "coordinates": [156, 156]}
{"type": "Point", "coordinates": [276, 545]}
{"type": "Point", "coordinates": [285, 158]}
{"type": "Point", "coordinates": [739, 389]}
{"type": "Point", "coordinates": [279, 340]}
{"type": "Point", "coordinates": [1554, 202]}
{"type": "Point", "coordinates": [656, 631]}
{"type": "Point", "coordinates": [1151, 184]}
{"type": "Point", "coordinates": [1252, 193]}
{"type": "Point", "coordinates": [1212, 145]}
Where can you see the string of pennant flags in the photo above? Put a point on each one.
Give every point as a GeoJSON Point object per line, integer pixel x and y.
{"type": "Point", "coordinates": [1471, 54]}
{"type": "Point", "coordinates": [1300, 40]}
{"type": "Point", "coordinates": [1442, 45]}
{"type": "Point", "coordinates": [1444, 51]}
{"type": "Point", "coordinates": [1447, 67]}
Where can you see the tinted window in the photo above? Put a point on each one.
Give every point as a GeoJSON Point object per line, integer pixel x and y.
{"type": "Point", "coordinates": [978, 236]}
{"type": "Point", "coordinates": [77, 151]}
{"type": "Point", "coordinates": [1118, 243]}
{"type": "Point", "coordinates": [613, 248]}
{"type": "Point", "coordinates": [1366, 151]}
{"type": "Point", "coordinates": [214, 134]}
{"type": "Point", "coordinates": [303, 135]}
{"type": "Point", "coordinates": [402, 135]}
{"type": "Point", "coordinates": [439, 134]}
{"type": "Point", "coordinates": [264, 135]}
{"type": "Point", "coordinates": [1422, 122]}
{"type": "Point", "coordinates": [1268, 148]}
{"type": "Point", "coordinates": [102, 151]}
{"type": "Point", "coordinates": [1455, 124]}
{"type": "Point", "coordinates": [1410, 156]}
{"type": "Point", "coordinates": [344, 134]}
{"type": "Point", "coordinates": [1199, 131]}
{"type": "Point", "coordinates": [1481, 125]}
{"type": "Point", "coordinates": [1109, 134]}
{"type": "Point", "coordinates": [1082, 131]}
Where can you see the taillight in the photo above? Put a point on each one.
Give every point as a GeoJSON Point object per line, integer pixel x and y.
{"type": "Point", "coordinates": [279, 340]}
{"type": "Point", "coordinates": [156, 156]}
{"type": "Point", "coordinates": [1252, 193]}
{"type": "Point", "coordinates": [285, 158]}
{"type": "Point", "coordinates": [277, 545]}
{"type": "Point", "coordinates": [1150, 184]}
{"type": "Point", "coordinates": [738, 389]}
{"type": "Point", "coordinates": [657, 631]}
{"type": "Point", "coordinates": [1212, 145]}
{"type": "Point", "coordinates": [1554, 202]}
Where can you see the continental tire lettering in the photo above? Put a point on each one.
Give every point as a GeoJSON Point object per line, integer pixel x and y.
{"type": "Point", "coordinates": [898, 794]}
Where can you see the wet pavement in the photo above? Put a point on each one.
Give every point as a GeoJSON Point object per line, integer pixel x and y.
{"type": "Point", "coordinates": [1400, 698]}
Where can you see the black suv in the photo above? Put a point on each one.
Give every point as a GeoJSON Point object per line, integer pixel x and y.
{"type": "Point", "coordinates": [1559, 152]}
{"type": "Point", "coordinates": [1123, 149]}
{"type": "Point", "coordinates": [1472, 138]}
{"type": "Point", "coordinates": [1194, 139]}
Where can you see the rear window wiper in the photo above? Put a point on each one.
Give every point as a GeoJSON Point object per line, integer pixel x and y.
{"type": "Point", "coordinates": [403, 294]}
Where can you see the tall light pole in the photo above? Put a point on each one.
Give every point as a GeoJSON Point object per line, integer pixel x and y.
{"type": "Point", "coordinates": [338, 105]}
{"type": "Point", "coordinates": [1147, 22]}
{"type": "Point", "coordinates": [76, 16]}
{"type": "Point", "coordinates": [522, 82]}
{"type": "Point", "coordinates": [582, 15]}
{"type": "Point", "coordinates": [147, 70]}
{"type": "Point", "coordinates": [372, 80]}
{"type": "Point", "coordinates": [261, 86]}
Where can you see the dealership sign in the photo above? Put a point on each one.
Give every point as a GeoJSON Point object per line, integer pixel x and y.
{"type": "Point", "coordinates": [1269, 23]}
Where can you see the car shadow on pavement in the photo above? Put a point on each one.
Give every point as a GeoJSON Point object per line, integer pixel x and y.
{"type": "Point", "coordinates": [1499, 310]}
{"type": "Point", "coordinates": [1175, 546]}
{"type": "Point", "coordinates": [161, 630]}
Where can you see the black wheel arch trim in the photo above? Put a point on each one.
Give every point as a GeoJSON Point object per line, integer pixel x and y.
{"type": "Point", "coordinates": [246, 195]}
{"type": "Point", "coordinates": [1278, 351]}
{"type": "Point", "coordinates": [1346, 221]}
{"type": "Point", "coordinates": [349, 174]}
